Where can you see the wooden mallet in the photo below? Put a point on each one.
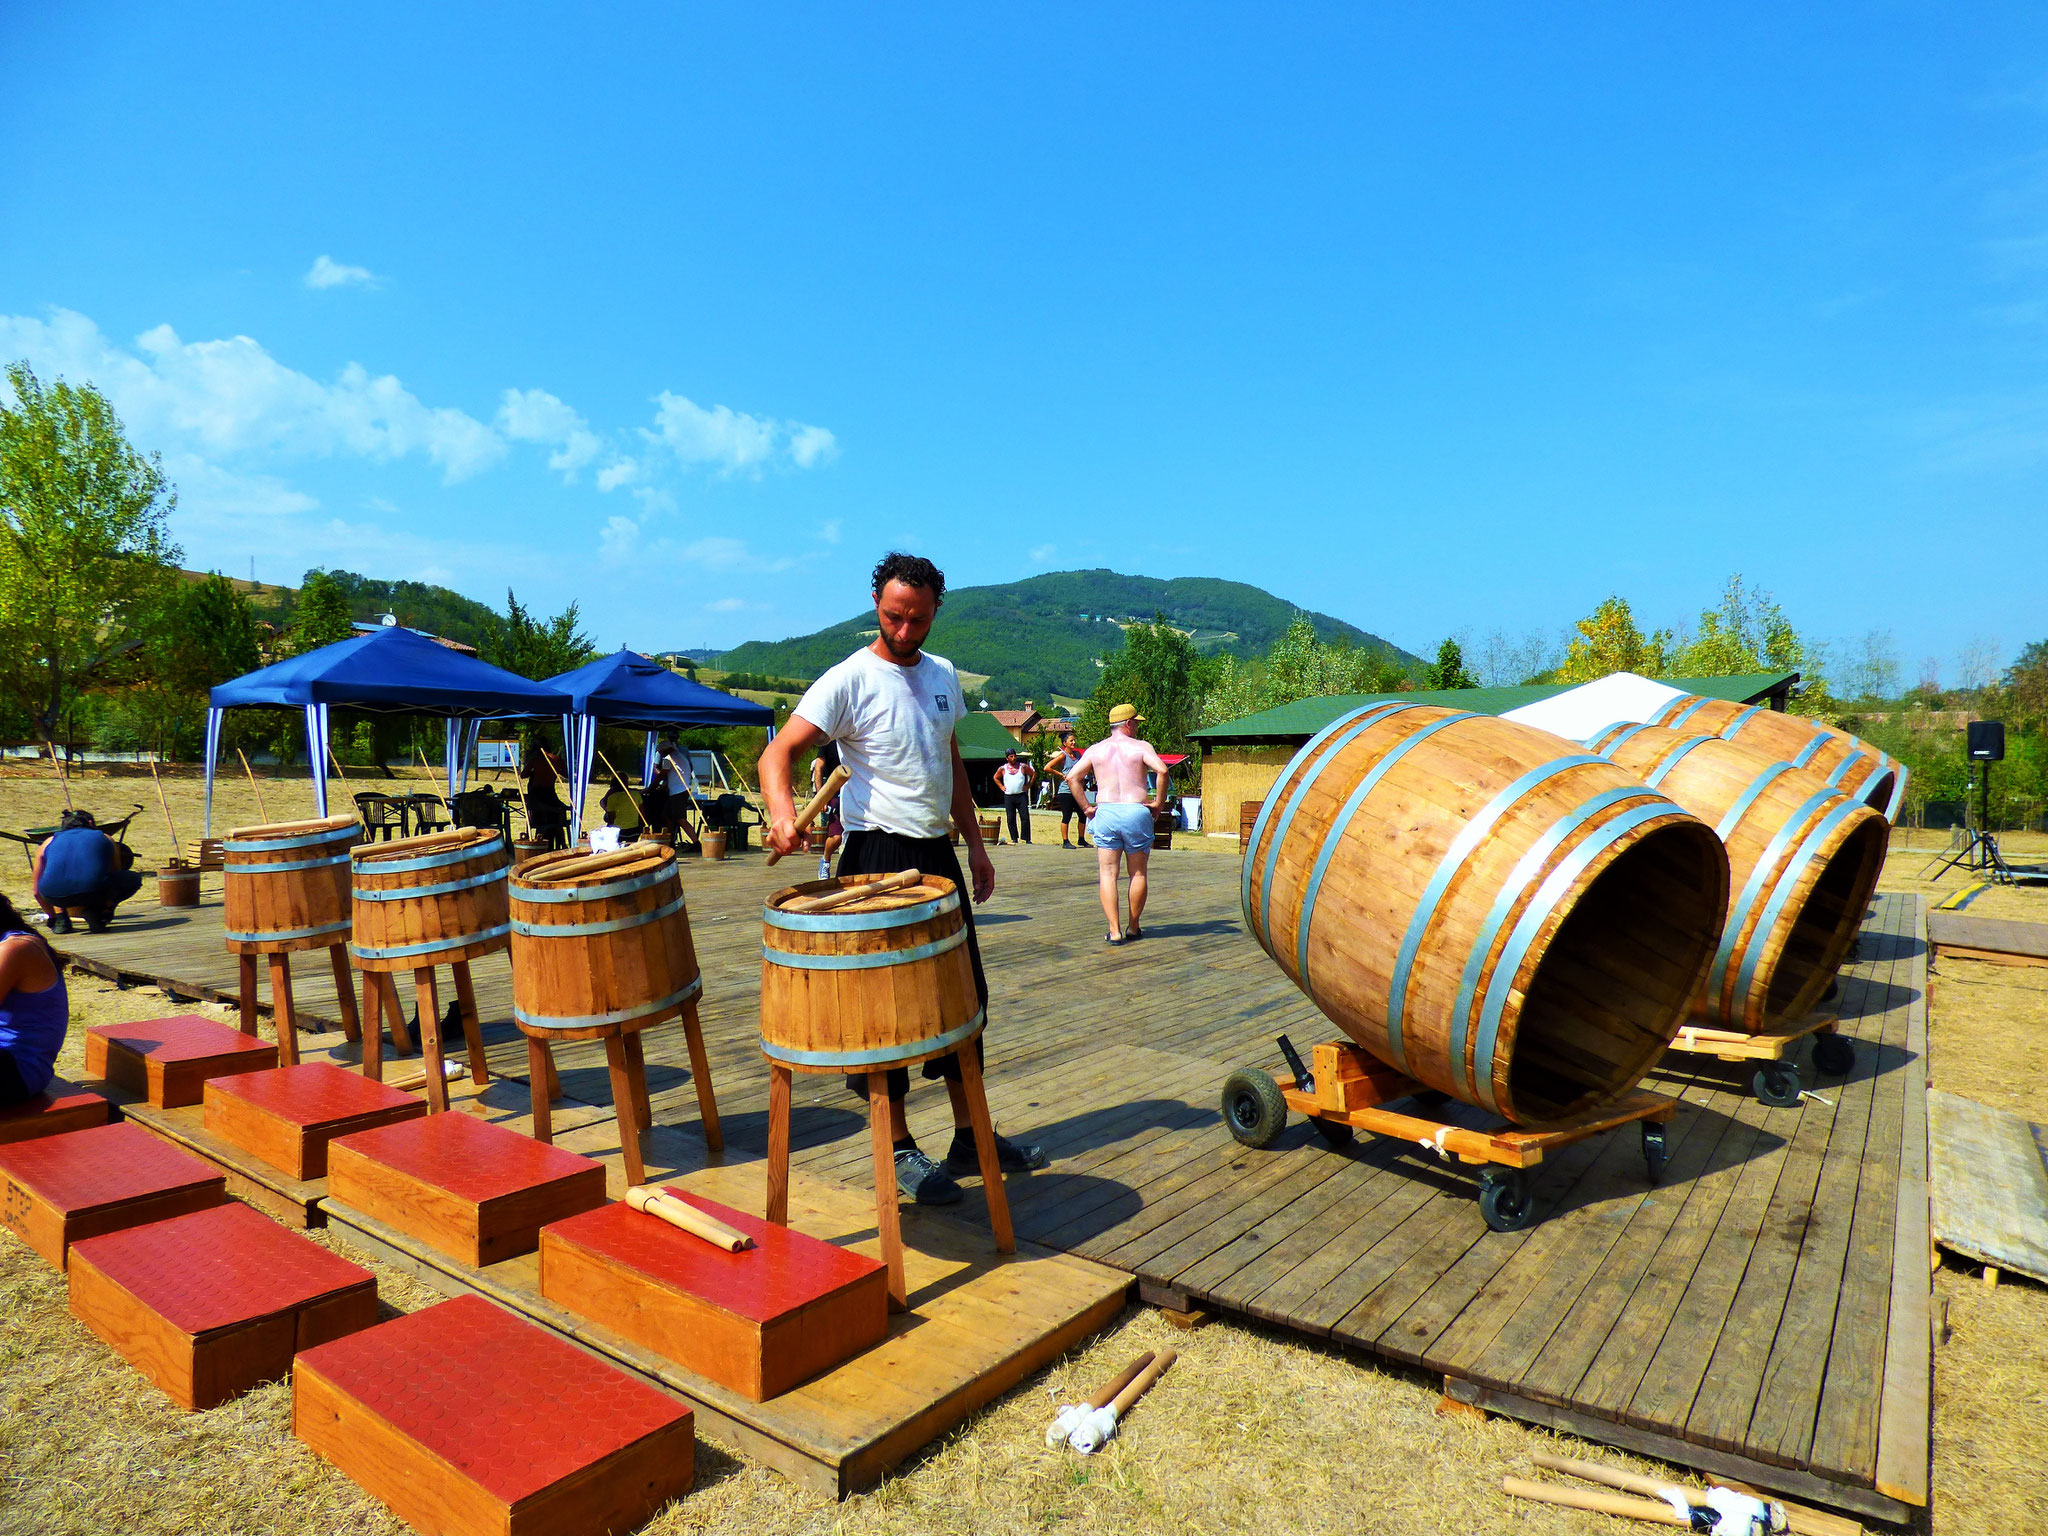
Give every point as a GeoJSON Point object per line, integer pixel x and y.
{"type": "Point", "coordinates": [654, 1201]}
{"type": "Point", "coordinates": [1097, 1427]}
{"type": "Point", "coordinates": [810, 813]}
{"type": "Point", "coordinates": [1068, 1419]}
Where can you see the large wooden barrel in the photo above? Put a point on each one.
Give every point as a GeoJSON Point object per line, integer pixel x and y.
{"type": "Point", "coordinates": [880, 982]}
{"type": "Point", "coordinates": [1803, 860]}
{"type": "Point", "coordinates": [1858, 769]}
{"type": "Point", "coordinates": [286, 885]}
{"type": "Point", "coordinates": [432, 900]}
{"type": "Point", "coordinates": [600, 955]}
{"type": "Point", "coordinates": [1490, 908]}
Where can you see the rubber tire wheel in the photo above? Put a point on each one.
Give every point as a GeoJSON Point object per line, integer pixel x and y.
{"type": "Point", "coordinates": [1653, 1150]}
{"type": "Point", "coordinates": [1253, 1107]}
{"type": "Point", "coordinates": [1834, 989]}
{"type": "Point", "coordinates": [1777, 1084]}
{"type": "Point", "coordinates": [1336, 1133]}
{"type": "Point", "coordinates": [1834, 1055]}
{"type": "Point", "coordinates": [1504, 1200]}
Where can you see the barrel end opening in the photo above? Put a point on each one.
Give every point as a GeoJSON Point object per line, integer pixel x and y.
{"type": "Point", "coordinates": [1828, 920]}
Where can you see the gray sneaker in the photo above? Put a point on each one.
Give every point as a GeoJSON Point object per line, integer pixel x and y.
{"type": "Point", "coordinates": [1011, 1156]}
{"type": "Point", "coordinates": [924, 1180]}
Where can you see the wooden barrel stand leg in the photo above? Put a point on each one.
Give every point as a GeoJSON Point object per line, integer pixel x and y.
{"type": "Point", "coordinates": [401, 1037]}
{"type": "Point", "coordinates": [472, 1026]}
{"type": "Point", "coordinates": [430, 1038]}
{"type": "Point", "coordinates": [700, 1069]}
{"type": "Point", "coordinates": [636, 1068]}
{"type": "Point", "coordinates": [246, 998]}
{"type": "Point", "coordinates": [373, 1032]}
{"type": "Point", "coordinates": [985, 1149]}
{"type": "Point", "coordinates": [281, 1011]}
{"type": "Point", "coordinates": [887, 1221]}
{"type": "Point", "coordinates": [778, 1144]}
{"type": "Point", "coordinates": [626, 1100]}
{"type": "Point", "coordinates": [540, 1087]}
{"type": "Point", "coordinates": [344, 992]}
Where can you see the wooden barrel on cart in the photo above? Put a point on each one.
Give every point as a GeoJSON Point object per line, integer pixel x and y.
{"type": "Point", "coordinates": [1803, 861]}
{"type": "Point", "coordinates": [1491, 909]}
{"type": "Point", "coordinates": [431, 900]}
{"type": "Point", "coordinates": [285, 885]}
{"type": "Point", "coordinates": [880, 982]}
{"type": "Point", "coordinates": [1852, 765]}
{"type": "Point", "coordinates": [604, 951]}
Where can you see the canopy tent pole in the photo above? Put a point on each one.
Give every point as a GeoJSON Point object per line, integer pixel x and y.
{"type": "Point", "coordinates": [213, 723]}
{"type": "Point", "coordinates": [316, 753]}
{"type": "Point", "coordinates": [647, 763]}
{"type": "Point", "coordinates": [471, 729]}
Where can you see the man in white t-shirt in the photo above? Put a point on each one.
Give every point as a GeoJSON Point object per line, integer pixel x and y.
{"type": "Point", "coordinates": [891, 708]}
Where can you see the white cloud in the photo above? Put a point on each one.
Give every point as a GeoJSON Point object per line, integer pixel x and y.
{"type": "Point", "coordinates": [619, 540]}
{"type": "Point", "coordinates": [831, 530]}
{"type": "Point", "coordinates": [326, 272]}
{"type": "Point", "coordinates": [733, 442]}
{"type": "Point", "coordinates": [726, 605]}
{"type": "Point", "coordinates": [623, 470]}
{"type": "Point", "coordinates": [535, 416]}
{"type": "Point", "coordinates": [1041, 554]}
{"type": "Point", "coordinates": [812, 445]}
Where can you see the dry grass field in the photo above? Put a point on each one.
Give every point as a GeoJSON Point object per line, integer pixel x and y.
{"type": "Point", "coordinates": [1253, 1430]}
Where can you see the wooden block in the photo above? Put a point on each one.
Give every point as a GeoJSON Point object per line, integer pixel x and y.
{"type": "Point", "coordinates": [55, 1190]}
{"type": "Point", "coordinates": [209, 1304]}
{"type": "Point", "coordinates": [759, 1321]}
{"type": "Point", "coordinates": [466, 1421]}
{"type": "Point", "coordinates": [58, 1108]}
{"type": "Point", "coordinates": [168, 1061]}
{"type": "Point", "coordinates": [475, 1191]}
{"type": "Point", "coordinates": [288, 1115]}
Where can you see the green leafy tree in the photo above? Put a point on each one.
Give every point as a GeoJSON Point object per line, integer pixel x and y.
{"type": "Point", "coordinates": [1448, 670]}
{"type": "Point", "coordinates": [534, 647]}
{"type": "Point", "coordinates": [1748, 632]}
{"type": "Point", "coordinates": [322, 616]}
{"type": "Point", "coordinates": [1300, 665]}
{"type": "Point", "coordinates": [1609, 641]}
{"type": "Point", "coordinates": [2026, 686]}
{"type": "Point", "coordinates": [1160, 671]}
{"type": "Point", "coordinates": [85, 545]}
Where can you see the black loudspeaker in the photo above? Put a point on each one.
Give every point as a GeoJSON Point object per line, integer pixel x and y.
{"type": "Point", "coordinates": [1986, 742]}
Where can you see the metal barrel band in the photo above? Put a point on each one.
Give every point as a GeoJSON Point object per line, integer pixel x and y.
{"type": "Point", "coordinates": [284, 869]}
{"type": "Point", "coordinates": [1674, 757]}
{"type": "Point", "coordinates": [880, 1056]}
{"type": "Point", "coordinates": [528, 930]}
{"type": "Point", "coordinates": [868, 962]}
{"type": "Point", "coordinates": [1728, 731]}
{"type": "Point", "coordinates": [407, 892]}
{"type": "Point", "coordinates": [1862, 791]}
{"type": "Point", "coordinates": [1599, 742]}
{"type": "Point", "coordinates": [639, 882]}
{"type": "Point", "coordinates": [1842, 768]}
{"type": "Point", "coordinates": [1461, 849]}
{"type": "Point", "coordinates": [1785, 885]}
{"type": "Point", "coordinates": [861, 922]}
{"type": "Point", "coordinates": [1738, 910]}
{"type": "Point", "coordinates": [332, 835]}
{"type": "Point", "coordinates": [1763, 781]}
{"type": "Point", "coordinates": [1808, 752]}
{"type": "Point", "coordinates": [1520, 879]}
{"type": "Point", "coordinates": [289, 933]}
{"type": "Point", "coordinates": [599, 1020]}
{"type": "Point", "coordinates": [1351, 724]}
{"type": "Point", "coordinates": [1684, 714]}
{"type": "Point", "coordinates": [376, 866]}
{"type": "Point", "coordinates": [431, 947]}
{"type": "Point", "coordinates": [1548, 895]}
{"type": "Point", "coordinates": [1333, 838]}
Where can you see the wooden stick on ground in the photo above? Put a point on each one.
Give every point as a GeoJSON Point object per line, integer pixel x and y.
{"type": "Point", "coordinates": [1652, 1510]}
{"type": "Point", "coordinates": [847, 895]}
{"type": "Point", "coordinates": [63, 780]}
{"type": "Point", "coordinates": [261, 809]}
{"type": "Point", "coordinates": [428, 768]}
{"type": "Point", "coordinates": [1120, 1380]}
{"type": "Point", "coordinates": [819, 801]}
{"type": "Point", "coordinates": [654, 1201]}
{"type": "Point", "coordinates": [176, 844]}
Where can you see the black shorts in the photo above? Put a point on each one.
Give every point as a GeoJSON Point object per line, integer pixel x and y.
{"type": "Point", "coordinates": [1063, 802]}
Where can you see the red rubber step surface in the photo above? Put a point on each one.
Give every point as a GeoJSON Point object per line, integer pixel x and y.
{"type": "Point", "coordinates": [511, 1407]}
{"type": "Point", "coordinates": [468, 1157]}
{"type": "Point", "coordinates": [100, 1166]}
{"type": "Point", "coordinates": [183, 1037]}
{"type": "Point", "coordinates": [782, 1273]}
{"type": "Point", "coordinates": [314, 1093]}
{"type": "Point", "coordinates": [47, 1113]}
{"type": "Point", "coordinates": [217, 1268]}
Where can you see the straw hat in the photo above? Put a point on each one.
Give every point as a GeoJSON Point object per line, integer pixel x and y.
{"type": "Point", "coordinates": [1124, 712]}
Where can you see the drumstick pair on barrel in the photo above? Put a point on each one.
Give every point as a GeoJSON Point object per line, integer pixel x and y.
{"type": "Point", "coordinates": [651, 1200]}
{"type": "Point", "coordinates": [1087, 1427]}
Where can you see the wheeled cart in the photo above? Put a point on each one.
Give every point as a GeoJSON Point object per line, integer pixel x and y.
{"type": "Point", "coordinates": [1777, 1080]}
{"type": "Point", "coordinates": [1350, 1088]}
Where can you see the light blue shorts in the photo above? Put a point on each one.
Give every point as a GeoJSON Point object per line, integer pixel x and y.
{"type": "Point", "coordinates": [1124, 828]}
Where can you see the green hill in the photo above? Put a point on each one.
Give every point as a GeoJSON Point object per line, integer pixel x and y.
{"type": "Point", "coordinates": [1044, 635]}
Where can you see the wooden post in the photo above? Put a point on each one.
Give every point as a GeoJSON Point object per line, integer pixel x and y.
{"type": "Point", "coordinates": [985, 1148]}
{"type": "Point", "coordinates": [177, 845]}
{"type": "Point", "coordinates": [247, 999]}
{"type": "Point", "coordinates": [430, 1038]}
{"type": "Point", "coordinates": [700, 1069]}
{"type": "Point", "coordinates": [888, 1221]}
{"type": "Point", "coordinates": [281, 1011]}
{"type": "Point", "coordinates": [344, 993]}
{"type": "Point", "coordinates": [625, 1098]}
{"type": "Point", "coordinates": [372, 1028]}
{"type": "Point", "coordinates": [636, 1066]}
{"type": "Point", "coordinates": [539, 1072]}
{"type": "Point", "coordinates": [778, 1144]}
{"type": "Point", "coordinates": [472, 1026]}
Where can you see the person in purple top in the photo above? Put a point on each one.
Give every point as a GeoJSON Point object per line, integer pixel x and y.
{"type": "Point", "coordinates": [35, 1010]}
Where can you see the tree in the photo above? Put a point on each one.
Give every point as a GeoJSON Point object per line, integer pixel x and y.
{"type": "Point", "coordinates": [1448, 671]}
{"type": "Point", "coordinates": [1609, 641]}
{"type": "Point", "coordinates": [322, 616]}
{"type": "Point", "coordinates": [1161, 672]}
{"type": "Point", "coordinates": [536, 648]}
{"type": "Point", "coordinates": [1299, 666]}
{"type": "Point", "coordinates": [1749, 632]}
{"type": "Point", "coordinates": [85, 544]}
{"type": "Point", "coordinates": [2026, 684]}
{"type": "Point", "coordinates": [197, 634]}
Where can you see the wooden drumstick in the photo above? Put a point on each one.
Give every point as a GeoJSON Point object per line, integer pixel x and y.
{"type": "Point", "coordinates": [1593, 1499]}
{"type": "Point", "coordinates": [660, 1204]}
{"type": "Point", "coordinates": [810, 813]}
{"type": "Point", "coordinates": [847, 895]}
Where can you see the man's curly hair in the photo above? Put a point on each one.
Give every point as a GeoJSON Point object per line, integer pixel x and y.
{"type": "Point", "coordinates": [912, 571]}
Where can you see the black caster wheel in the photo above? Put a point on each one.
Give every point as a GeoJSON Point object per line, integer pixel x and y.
{"type": "Point", "coordinates": [1834, 1055]}
{"type": "Point", "coordinates": [1253, 1107]}
{"type": "Point", "coordinates": [1777, 1084]}
{"type": "Point", "coordinates": [1504, 1199]}
{"type": "Point", "coordinates": [1834, 989]}
{"type": "Point", "coordinates": [1336, 1133]}
{"type": "Point", "coordinates": [1653, 1150]}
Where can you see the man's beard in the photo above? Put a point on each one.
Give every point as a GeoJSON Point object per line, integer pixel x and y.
{"type": "Point", "coordinates": [901, 652]}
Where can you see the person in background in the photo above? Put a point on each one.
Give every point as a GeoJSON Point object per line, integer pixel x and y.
{"type": "Point", "coordinates": [35, 1010]}
{"type": "Point", "coordinates": [822, 768]}
{"type": "Point", "coordinates": [545, 813]}
{"type": "Point", "coordinates": [1014, 780]}
{"type": "Point", "coordinates": [1064, 800]}
{"type": "Point", "coordinates": [1121, 813]}
{"type": "Point", "coordinates": [81, 870]}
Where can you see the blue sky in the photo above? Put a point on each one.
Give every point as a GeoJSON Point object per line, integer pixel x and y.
{"type": "Point", "coordinates": [1449, 320]}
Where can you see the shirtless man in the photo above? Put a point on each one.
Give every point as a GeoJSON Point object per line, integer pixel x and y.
{"type": "Point", "coordinates": [1121, 814]}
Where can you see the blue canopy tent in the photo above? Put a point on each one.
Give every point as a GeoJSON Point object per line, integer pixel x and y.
{"type": "Point", "coordinates": [631, 690]}
{"type": "Point", "coordinates": [392, 671]}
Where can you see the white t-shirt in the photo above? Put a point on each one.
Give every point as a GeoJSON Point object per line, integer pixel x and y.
{"type": "Point", "coordinates": [894, 726]}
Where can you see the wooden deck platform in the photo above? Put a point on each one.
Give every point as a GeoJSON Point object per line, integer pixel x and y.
{"type": "Point", "coordinates": [1762, 1313]}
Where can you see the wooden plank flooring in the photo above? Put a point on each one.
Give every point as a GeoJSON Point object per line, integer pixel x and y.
{"type": "Point", "coordinates": [1753, 1314]}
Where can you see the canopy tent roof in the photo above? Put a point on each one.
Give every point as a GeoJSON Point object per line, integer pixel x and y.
{"type": "Point", "coordinates": [393, 671]}
{"type": "Point", "coordinates": [626, 688]}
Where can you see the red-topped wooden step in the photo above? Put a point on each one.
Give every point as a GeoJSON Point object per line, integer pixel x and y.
{"type": "Point", "coordinates": [288, 1115]}
{"type": "Point", "coordinates": [168, 1061]}
{"type": "Point", "coordinates": [759, 1321]}
{"type": "Point", "coordinates": [464, 1420]}
{"type": "Point", "coordinates": [208, 1305]}
{"type": "Point", "coordinates": [57, 1189]}
{"type": "Point", "coordinates": [58, 1108]}
{"type": "Point", "coordinates": [476, 1191]}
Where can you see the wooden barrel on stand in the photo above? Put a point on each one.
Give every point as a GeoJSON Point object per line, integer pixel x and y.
{"type": "Point", "coordinates": [433, 900]}
{"type": "Point", "coordinates": [1859, 770]}
{"type": "Point", "coordinates": [1487, 907]}
{"type": "Point", "coordinates": [1803, 861]}
{"type": "Point", "coordinates": [285, 885]}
